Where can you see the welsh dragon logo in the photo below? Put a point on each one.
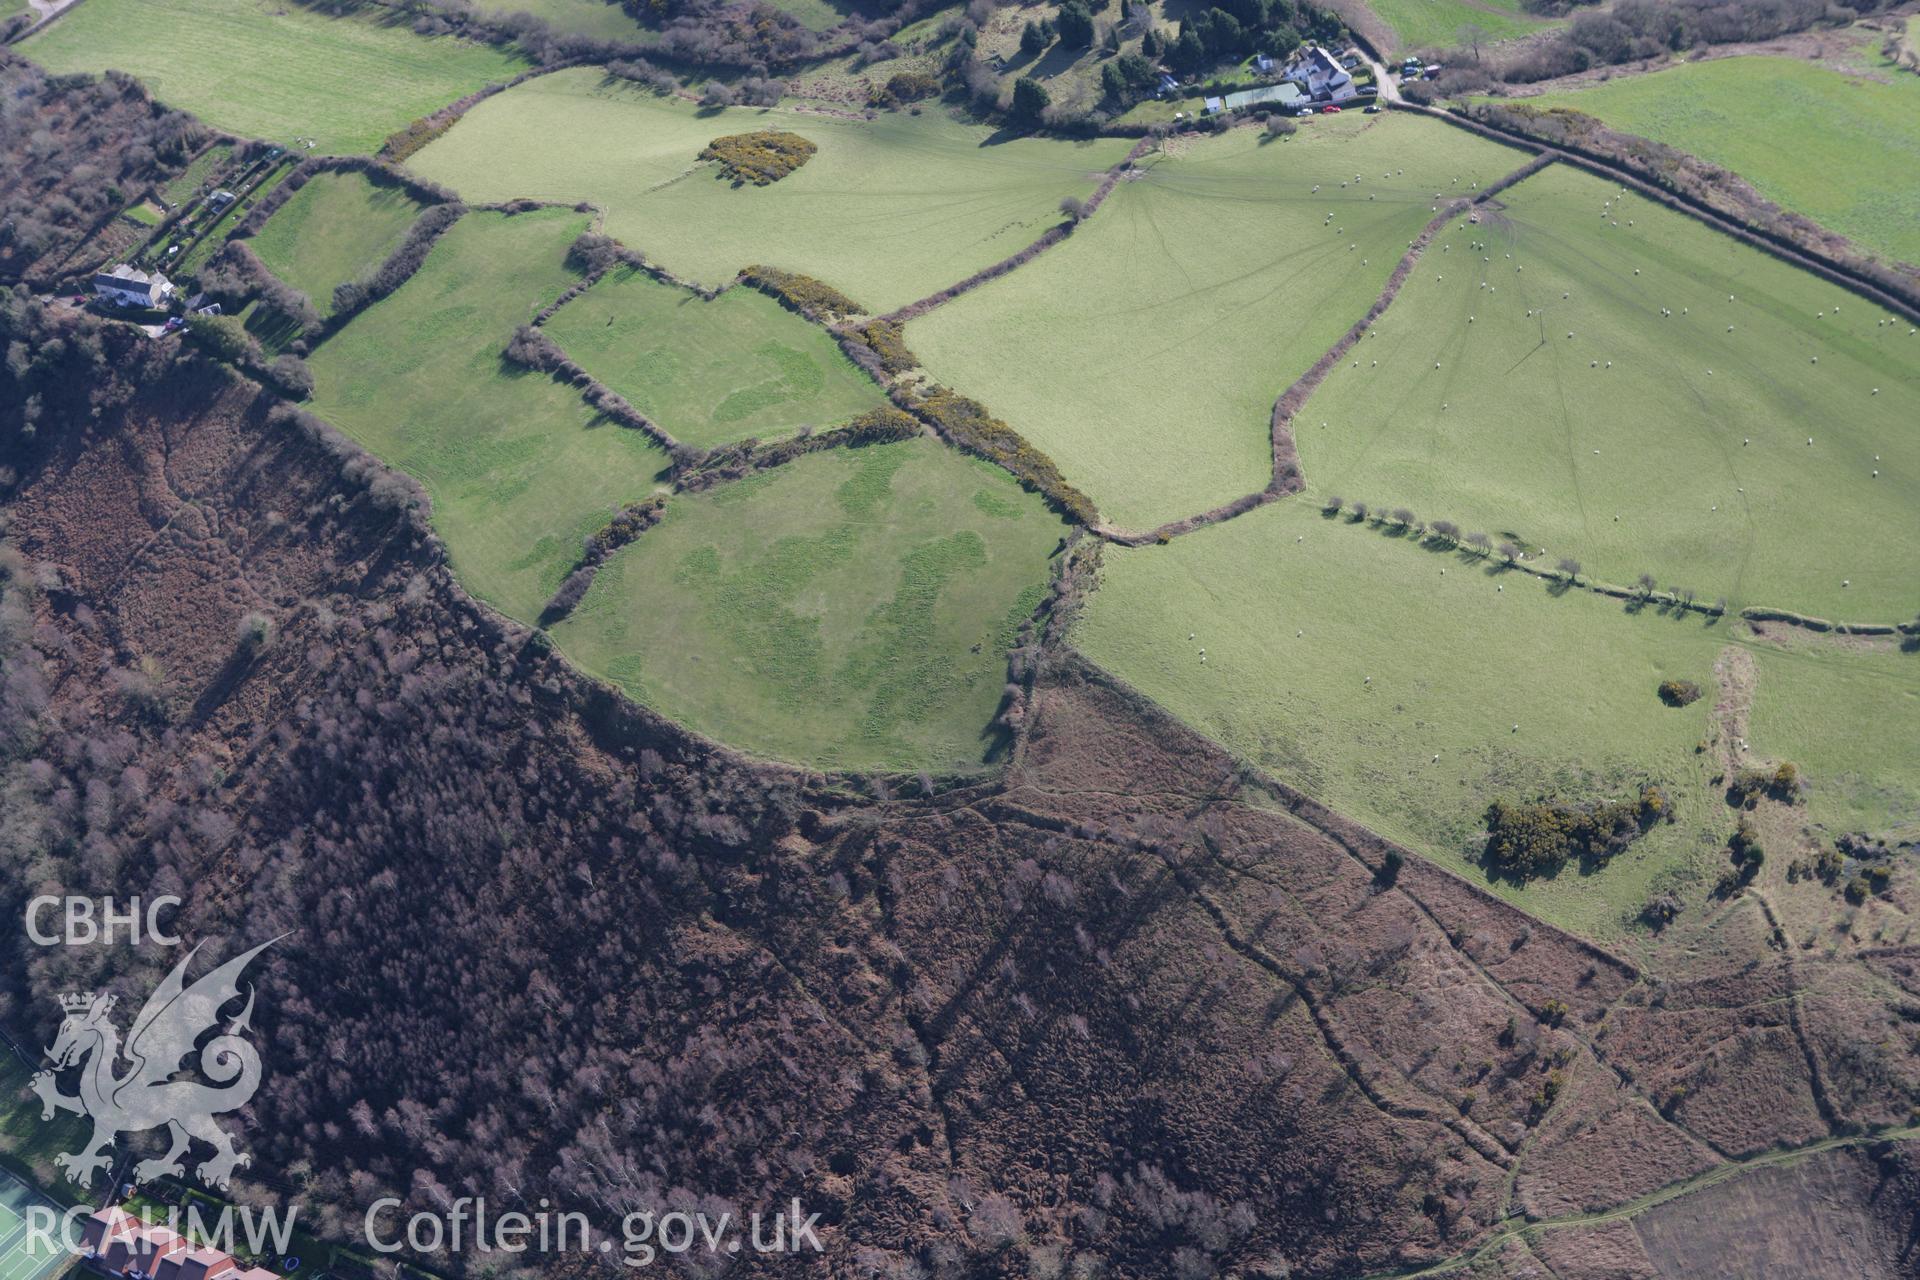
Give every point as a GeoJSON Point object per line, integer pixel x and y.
{"type": "Point", "coordinates": [147, 1096]}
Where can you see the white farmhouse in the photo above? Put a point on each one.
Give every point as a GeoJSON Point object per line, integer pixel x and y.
{"type": "Point", "coordinates": [126, 287]}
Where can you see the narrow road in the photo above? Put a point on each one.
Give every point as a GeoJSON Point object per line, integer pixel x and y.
{"type": "Point", "coordinates": [1389, 91]}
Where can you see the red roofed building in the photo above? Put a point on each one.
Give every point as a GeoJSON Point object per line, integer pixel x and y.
{"type": "Point", "coordinates": [120, 1245]}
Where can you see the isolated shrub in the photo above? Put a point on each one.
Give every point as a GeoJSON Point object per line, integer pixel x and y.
{"type": "Point", "coordinates": [906, 86]}
{"type": "Point", "coordinates": [1744, 848]}
{"type": "Point", "coordinates": [254, 633]}
{"type": "Point", "coordinates": [1333, 504]}
{"type": "Point", "coordinates": [1660, 910]}
{"type": "Point", "coordinates": [1281, 127]}
{"type": "Point", "coordinates": [1782, 782]}
{"type": "Point", "coordinates": [762, 157]}
{"type": "Point", "coordinates": [1073, 207]}
{"type": "Point", "coordinates": [1679, 693]}
{"type": "Point", "coordinates": [1539, 837]}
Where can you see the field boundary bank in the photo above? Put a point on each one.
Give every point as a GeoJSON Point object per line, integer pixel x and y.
{"type": "Point", "coordinates": [1286, 476]}
{"type": "Point", "coordinates": [1050, 237]}
{"type": "Point", "coordinates": [1423, 533]}
{"type": "Point", "coordinates": [1617, 171]}
{"type": "Point", "coordinates": [1360, 842]}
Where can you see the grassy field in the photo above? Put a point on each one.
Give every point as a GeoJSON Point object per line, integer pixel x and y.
{"type": "Point", "coordinates": [333, 230]}
{"type": "Point", "coordinates": [1839, 709]}
{"type": "Point", "coordinates": [711, 372]}
{"type": "Point", "coordinates": [279, 71]}
{"type": "Point", "coordinates": [889, 209]}
{"type": "Point", "coordinates": [595, 18]}
{"type": "Point", "coordinates": [1672, 445]}
{"type": "Point", "coordinates": [1441, 24]}
{"type": "Point", "coordinates": [520, 471]}
{"type": "Point", "coordinates": [817, 14]}
{"type": "Point", "coordinates": [1343, 660]}
{"type": "Point", "coordinates": [196, 173]}
{"type": "Point", "coordinates": [850, 610]}
{"type": "Point", "coordinates": [1145, 353]}
{"type": "Point", "coordinates": [1843, 150]}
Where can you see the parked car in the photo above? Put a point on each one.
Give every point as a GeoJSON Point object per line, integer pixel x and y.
{"type": "Point", "coordinates": [1372, 111]}
{"type": "Point", "coordinates": [175, 322]}
{"type": "Point", "coordinates": [78, 300]}
{"type": "Point", "coordinates": [1304, 112]}
{"type": "Point", "coordinates": [1329, 111]}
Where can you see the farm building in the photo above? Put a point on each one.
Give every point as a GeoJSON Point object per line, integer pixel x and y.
{"type": "Point", "coordinates": [127, 287]}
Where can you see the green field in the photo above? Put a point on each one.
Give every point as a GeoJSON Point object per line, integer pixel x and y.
{"type": "Point", "coordinates": [264, 69]}
{"type": "Point", "coordinates": [1297, 611]}
{"type": "Point", "coordinates": [333, 230]}
{"type": "Point", "coordinates": [711, 372]}
{"type": "Point", "coordinates": [595, 18]}
{"type": "Point", "coordinates": [1441, 24]}
{"type": "Point", "coordinates": [889, 209]}
{"type": "Point", "coordinates": [197, 172]}
{"type": "Point", "coordinates": [816, 14]}
{"type": "Point", "coordinates": [1843, 150]}
{"type": "Point", "coordinates": [1145, 353]}
{"type": "Point", "coordinates": [1839, 709]}
{"type": "Point", "coordinates": [852, 609]}
{"type": "Point", "coordinates": [520, 471]}
{"type": "Point", "coordinates": [1522, 432]}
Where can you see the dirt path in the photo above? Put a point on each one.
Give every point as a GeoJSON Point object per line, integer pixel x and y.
{"type": "Point", "coordinates": [1736, 674]}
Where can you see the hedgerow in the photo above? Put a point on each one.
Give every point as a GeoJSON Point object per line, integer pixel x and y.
{"type": "Point", "coordinates": [814, 299]}
{"type": "Point", "coordinates": [888, 345]}
{"type": "Point", "coordinates": [968, 424]}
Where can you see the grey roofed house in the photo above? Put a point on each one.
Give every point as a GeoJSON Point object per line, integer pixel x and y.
{"type": "Point", "coordinates": [130, 287]}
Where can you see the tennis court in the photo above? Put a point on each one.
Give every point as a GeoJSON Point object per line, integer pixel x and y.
{"type": "Point", "coordinates": [18, 1259]}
